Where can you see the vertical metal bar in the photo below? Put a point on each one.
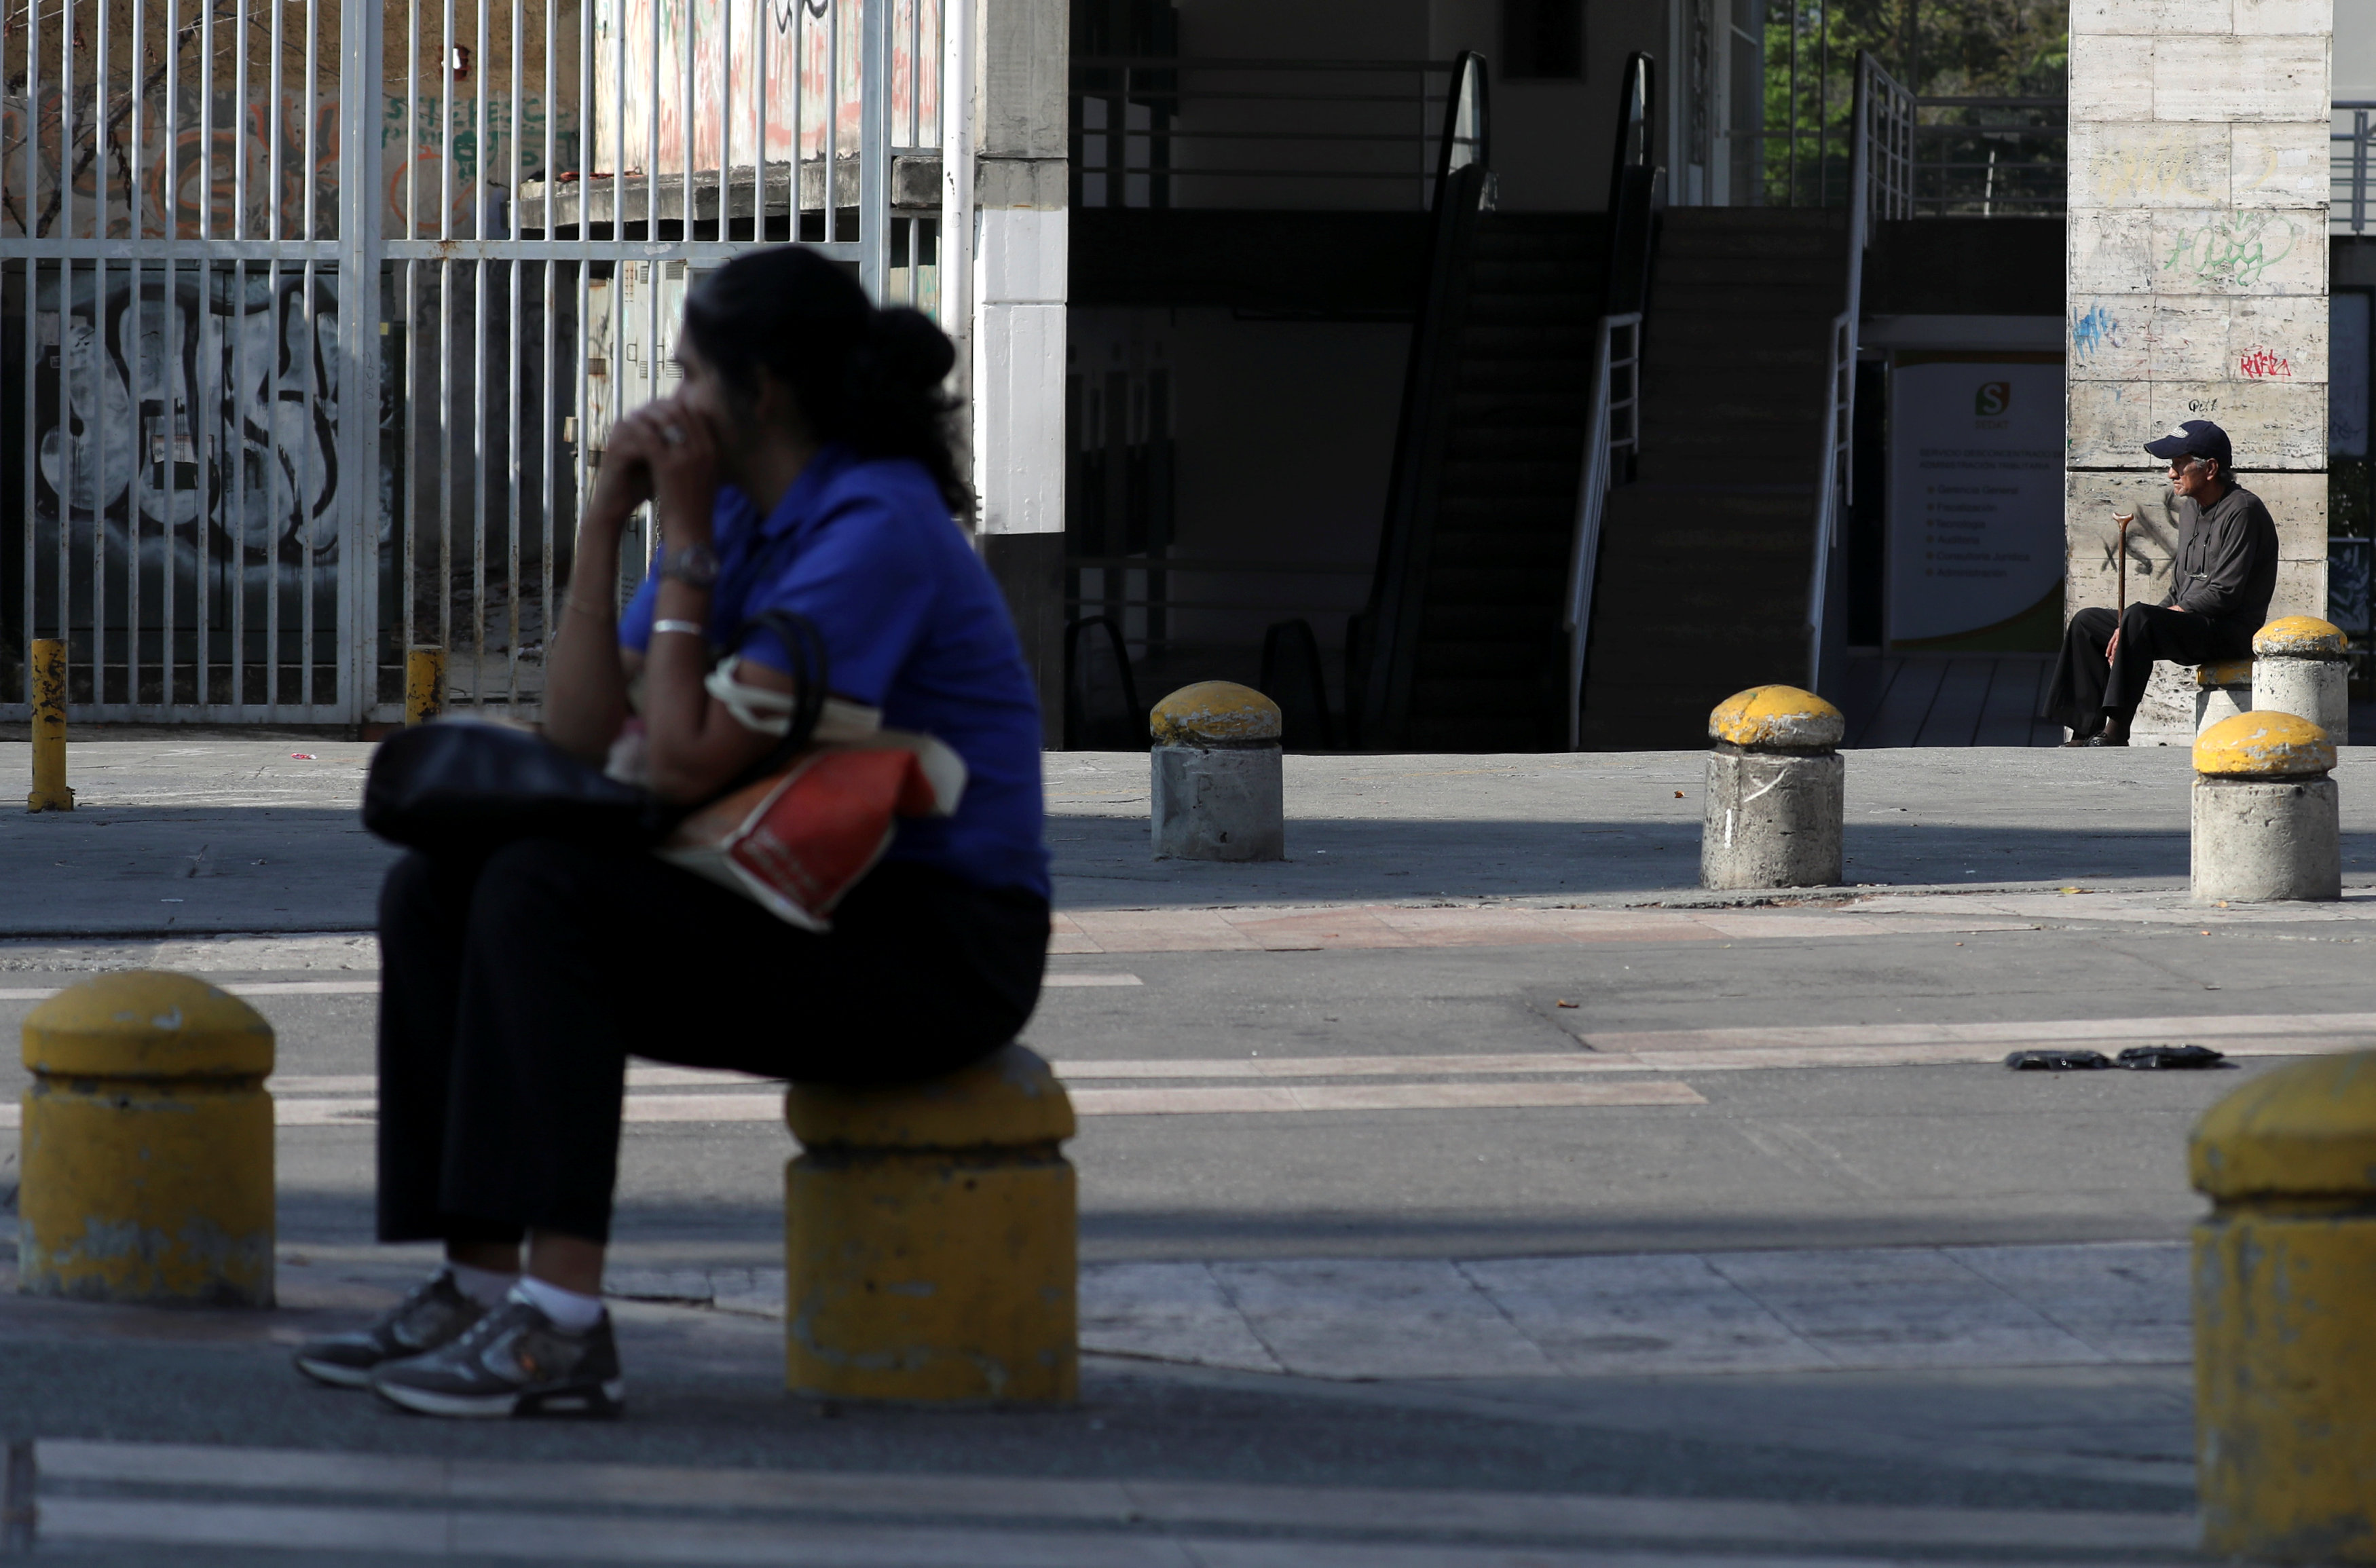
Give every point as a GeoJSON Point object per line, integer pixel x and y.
{"type": "Point", "coordinates": [833, 121]}
{"type": "Point", "coordinates": [445, 393]}
{"type": "Point", "coordinates": [174, 382]}
{"type": "Point", "coordinates": [875, 147]}
{"type": "Point", "coordinates": [410, 414]}
{"type": "Point", "coordinates": [2360, 170]}
{"type": "Point", "coordinates": [765, 90]}
{"type": "Point", "coordinates": [99, 370]}
{"type": "Point", "coordinates": [652, 136]}
{"type": "Point", "coordinates": [725, 125]}
{"type": "Point", "coordinates": [512, 401]}
{"type": "Point", "coordinates": [136, 307]}
{"type": "Point", "coordinates": [689, 129]}
{"type": "Point", "coordinates": [241, 92]}
{"type": "Point", "coordinates": [315, 390]}
{"type": "Point", "coordinates": [29, 200]}
{"type": "Point", "coordinates": [479, 477]}
{"type": "Point", "coordinates": [69, 445]}
{"type": "Point", "coordinates": [357, 222]}
{"type": "Point", "coordinates": [548, 427]}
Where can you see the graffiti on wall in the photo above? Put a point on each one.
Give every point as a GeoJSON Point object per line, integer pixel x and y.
{"type": "Point", "coordinates": [416, 160]}
{"type": "Point", "coordinates": [145, 171]}
{"type": "Point", "coordinates": [201, 408]}
{"type": "Point", "coordinates": [196, 175]}
{"type": "Point", "coordinates": [643, 93]}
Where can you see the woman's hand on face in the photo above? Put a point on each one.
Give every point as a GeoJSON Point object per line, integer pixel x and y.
{"type": "Point", "coordinates": [624, 481]}
{"type": "Point", "coordinates": [684, 458]}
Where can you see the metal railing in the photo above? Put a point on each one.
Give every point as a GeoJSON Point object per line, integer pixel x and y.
{"type": "Point", "coordinates": [1613, 417]}
{"type": "Point", "coordinates": [1612, 425]}
{"type": "Point", "coordinates": [1149, 131]}
{"type": "Point", "coordinates": [1981, 163]}
{"type": "Point", "coordinates": [1880, 187]}
{"type": "Point", "coordinates": [2348, 166]}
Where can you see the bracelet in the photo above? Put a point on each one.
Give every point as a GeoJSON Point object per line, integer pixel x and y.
{"type": "Point", "coordinates": [691, 627]}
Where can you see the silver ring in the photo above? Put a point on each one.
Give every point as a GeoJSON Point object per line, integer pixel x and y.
{"type": "Point", "coordinates": [673, 435]}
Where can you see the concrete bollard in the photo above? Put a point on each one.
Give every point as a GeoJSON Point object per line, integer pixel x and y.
{"type": "Point", "coordinates": [2266, 825]}
{"type": "Point", "coordinates": [2284, 1279]}
{"type": "Point", "coordinates": [2222, 690]}
{"type": "Point", "coordinates": [930, 1239]}
{"type": "Point", "coordinates": [1776, 791]}
{"type": "Point", "coordinates": [2302, 666]}
{"type": "Point", "coordinates": [424, 683]}
{"type": "Point", "coordinates": [1219, 793]}
{"type": "Point", "coordinates": [50, 791]}
{"type": "Point", "coordinates": [148, 1145]}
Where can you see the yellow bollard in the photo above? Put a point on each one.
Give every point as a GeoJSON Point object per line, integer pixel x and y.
{"type": "Point", "coordinates": [424, 683]}
{"type": "Point", "coordinates": [930, 1236]}
{"type": "Point", "coordinates": [50, 791]}
{"type": "Point", "coordinates": [147, 1146]}
{"type": "Point", "coordinates": [2285, 1315]}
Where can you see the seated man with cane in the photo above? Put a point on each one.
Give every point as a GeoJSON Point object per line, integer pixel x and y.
{"type": "Point", "coordinates": [2219, 589]}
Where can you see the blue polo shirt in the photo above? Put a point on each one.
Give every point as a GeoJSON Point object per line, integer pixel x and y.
{"type": "Point", "coordinates": [912, 624]}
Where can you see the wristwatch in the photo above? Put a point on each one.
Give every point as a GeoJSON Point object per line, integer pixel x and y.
{"type": "Point", "coordinates": [695, 566]}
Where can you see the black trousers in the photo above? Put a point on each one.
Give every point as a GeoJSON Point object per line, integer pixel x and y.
{"type": "Point", "coordinates": [514, 988]}
{"type": "Point", "coordinates": [2085, 687]}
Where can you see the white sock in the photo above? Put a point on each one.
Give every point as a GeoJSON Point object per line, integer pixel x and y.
{"type": "Point", "coordinates": [484, 1286]}
{"type": "Point", "coordinates": [570, 1311]}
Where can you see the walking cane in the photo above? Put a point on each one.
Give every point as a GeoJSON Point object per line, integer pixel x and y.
{"type": "Point", "coordinates": [2121, 598]}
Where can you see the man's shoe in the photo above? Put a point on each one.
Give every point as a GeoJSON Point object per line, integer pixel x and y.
{"type": "Point", "coordinates": [437, 1314]}
{"type": "Point", "coordinates": [513, 1361]}
{"type": "Point", "coordinates": [2106, 738]}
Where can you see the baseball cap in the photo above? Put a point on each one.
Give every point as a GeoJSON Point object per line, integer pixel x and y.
{"type": "Point", "coordinates": [2195, 438]}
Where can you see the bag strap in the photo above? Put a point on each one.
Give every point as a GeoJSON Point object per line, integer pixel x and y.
{"type": "Point", "coordinates": [812, 668]}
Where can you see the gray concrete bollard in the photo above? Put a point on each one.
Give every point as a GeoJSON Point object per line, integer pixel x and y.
{"type": "Point", "coordinates": [1776, 791]}
{"type": "Point", "coordinates": [2266, 825]}
{"type": "Point", "coordinates": [2301, 666]}
{"type": "Point", "coordinates": [2222, 690]}
{"type": "Point", "coordinates": [1217, 791]}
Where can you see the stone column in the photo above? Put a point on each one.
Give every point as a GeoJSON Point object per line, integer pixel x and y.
{"type": "Point", "coordinates": [2196, 283]}
{"type": "Point", "coordinates": [1020, 250]}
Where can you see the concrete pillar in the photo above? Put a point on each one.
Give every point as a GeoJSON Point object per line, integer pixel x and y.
{"type": "Point", "coordinates": [2222, 690]}
{"type": "Point", "coordinates": [2284, 1265]}
{"type": "Point", "coordinates": [2266, 815]}
{"type": "Point", "coordinates": [2300, 666]}
{"type": "Point", "coordinates": [1218, 789]}
{"type": "Point", "coordinates": [1776, 791]}
{"type": "Point", "coordinates": [1015, 249]}
{"type": "Point", "coordinates": [2197, 277]}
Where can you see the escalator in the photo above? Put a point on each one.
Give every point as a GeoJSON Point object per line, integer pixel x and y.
{"type": "Point", "coordinates": [1462, 646]}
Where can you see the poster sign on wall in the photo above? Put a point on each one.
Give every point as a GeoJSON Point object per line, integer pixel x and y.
{"type": "Point", "coordinates": [1976, 502]}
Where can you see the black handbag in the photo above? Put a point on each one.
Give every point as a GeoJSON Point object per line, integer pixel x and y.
{"type": "Point", "coordinates": [465, 786]}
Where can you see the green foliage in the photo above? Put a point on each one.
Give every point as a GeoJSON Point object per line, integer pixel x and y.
{"type": "Point", "coordinates": [1938, 48]}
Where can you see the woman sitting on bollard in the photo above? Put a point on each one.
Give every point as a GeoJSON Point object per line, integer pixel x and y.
{"type": "Point", "coordinates": [803, 468]}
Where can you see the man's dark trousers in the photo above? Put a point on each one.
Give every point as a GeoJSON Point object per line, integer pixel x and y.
{"type": "Point", "coordinates": [2085, 687]}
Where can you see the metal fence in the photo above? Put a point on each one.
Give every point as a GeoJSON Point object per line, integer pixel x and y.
{"type": "Point", "coordinates": [2353, 129]}
{"type": "Point", "coordinates": [314, 315]}
{"type": "Point", "coordinates": [1149, 131]}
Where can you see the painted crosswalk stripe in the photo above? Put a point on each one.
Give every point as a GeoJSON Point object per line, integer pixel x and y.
{"type": "Point", "coordinates": [1061, 980]}
{"type": "Point", "coordinates": [673, 1514]}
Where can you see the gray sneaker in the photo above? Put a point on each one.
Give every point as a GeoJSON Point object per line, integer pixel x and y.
{"type": "Point", "coordinates": [434, 1314]}
{"type": "Point", "coordinates": [513, 1361]}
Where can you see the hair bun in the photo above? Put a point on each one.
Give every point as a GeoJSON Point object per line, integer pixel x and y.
{"type": "Point", "coordinates": [909, 347]}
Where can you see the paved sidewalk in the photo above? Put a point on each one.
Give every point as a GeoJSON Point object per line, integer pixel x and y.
{"type": "Point", "coordinates": [247, 836]}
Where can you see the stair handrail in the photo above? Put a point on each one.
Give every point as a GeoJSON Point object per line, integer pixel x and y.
{"type": "Point", "coordinates": [1613, 420]}
{"type": "Point", "coordinates": [1880, 131]}
{"type": "Point", "coordinates": [1389, 626]}
{"type": "Point", "coordinates": [1600, 441]}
